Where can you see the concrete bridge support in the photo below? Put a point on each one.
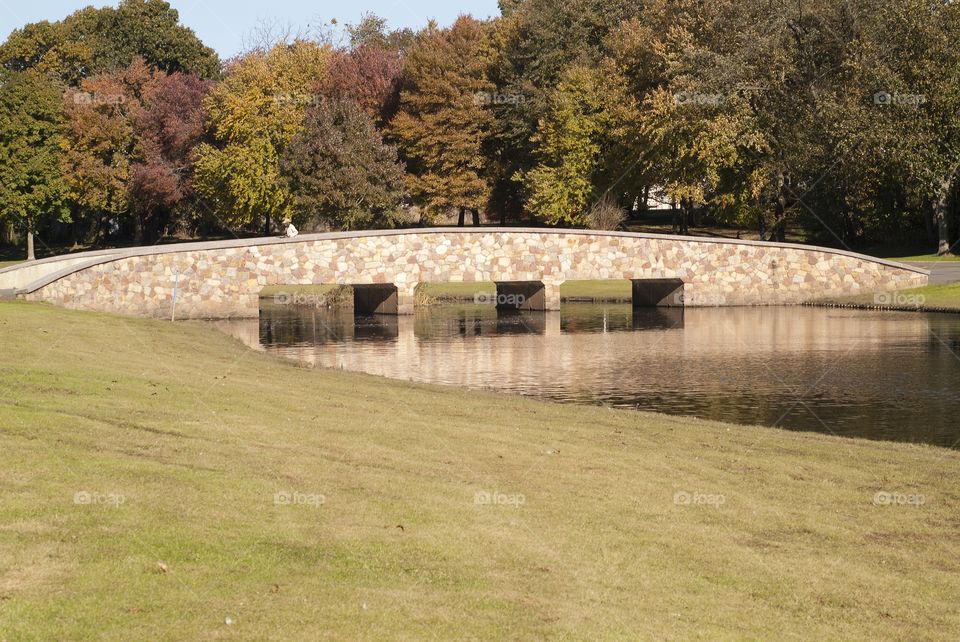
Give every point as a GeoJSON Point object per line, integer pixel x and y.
{"type": "Point", "coordinates": [375, 299]}
{"type": "Point", "coordinates": [528, 295]}
{"type": "Point", "coordinates": [383, 298]}
{"type": "Point", "coordinates": [657, 293]}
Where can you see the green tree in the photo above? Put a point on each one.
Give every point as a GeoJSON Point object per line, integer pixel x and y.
{"type": "Point", "coordinates": [535, 42]}
{"type": "Point", "coordinates": [560, 187]}
{"type": "Point", "coordinates": [339, 171]}
{"type": "Point", "coordinates": [93, 41]}
{"type": "Point", "coordinates": [443, 120]}
{"type": "Point", "coordinates": [31, 188]}
{"type": "Point", "coordinates": [372, 32]}
{"type": "Point", "coordinates": [908, 68]}
{"type": "Point", "coordinates": [151, 30]}
{"type": "Point", "coordinates": [737, 117]}
{"type": "Point", "coordinates": [254, 113]}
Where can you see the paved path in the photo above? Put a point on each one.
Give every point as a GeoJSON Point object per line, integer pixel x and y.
{"type": "Point", "coordinates": [941, 272]}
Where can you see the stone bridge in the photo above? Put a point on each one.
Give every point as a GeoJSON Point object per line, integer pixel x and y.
{"type": "Point", "coordinates": [223, 279]}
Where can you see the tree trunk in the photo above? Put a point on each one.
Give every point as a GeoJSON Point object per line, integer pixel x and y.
{"type": "Point", "coordinates": [761, 223]}
{"type": "Point", "coordinates": [476, 217]}
{"type": "Point", "coordinates": [137, 230]}
{"type": "Point", "coordinates": [266, 225]}
{"type": "Point", "coordinates": [928, 225]}
{"type": "Point", "coordinates": [7, 234]}
{"type": "Point", "coordinates": [102, 233]}
{"type": "Point", "coordinates": [460, 214]}
{"type": "Point", "coordinates": [75, 232]}
{"type": "Point", "coordinates": [943, 234]}
{"type": "Point", "coordinates": [941, 203]}
{"type": "Point", "coordinates": [780, 209]}
{"type": "Point", "coordinates": [503, 217]}
{"type": "Point", "coordinates": [30, 255]}
{"type": "Point", "coordinates": [681, 216]}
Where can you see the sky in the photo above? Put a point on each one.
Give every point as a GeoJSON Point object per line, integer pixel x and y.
{"type": "Point", "coordinates": [226, 24]}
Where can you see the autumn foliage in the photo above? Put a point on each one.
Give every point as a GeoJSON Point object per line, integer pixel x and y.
{"type": "Point", "coordinates": [836, 120]}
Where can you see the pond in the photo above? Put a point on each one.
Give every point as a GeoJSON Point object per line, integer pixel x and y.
{"type": "Point", "coordinates": [879, 375]}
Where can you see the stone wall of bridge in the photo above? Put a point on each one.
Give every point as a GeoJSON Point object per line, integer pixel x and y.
{"type": "Point", "coordinates": [224, 279]}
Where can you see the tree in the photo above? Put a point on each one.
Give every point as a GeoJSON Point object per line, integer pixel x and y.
{"type": "Point", "coordinates": [253, 113]}
{"type": "Point", "coordinates": [737, 118]}
{"type": "Point", "coordinates": [64, 49]}
{"type": "Point", "coordinates": [568, 140]}
{"type": "Point", "coordinates": [442, 122]}
{"type": "Point", "coordinates": [31, 189]}
{"type": "Point", "coordinates": [910, 65]}
{"type": "Point", "coordinates": [535, 43]}
{"type": "Point", "coordinates": [150, 29]}
{"type": "Point", "coordinates": [93, 41]}
{"type": "Point", "coordinates": [339, 170]}
{"type": "Point", "coordinates": [100, 145]}
{"type": "Point", "coordinates": [169, 127]}
{"type": "Point", "coordinates": [372, 32]}
{"type": "Point", "coordinates": [368, 75]}
{"type": "Point", "coordinates": [128, 149]}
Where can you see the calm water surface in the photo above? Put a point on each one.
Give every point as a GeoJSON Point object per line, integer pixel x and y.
{"type": "Point", "coordinates": [870, 374]}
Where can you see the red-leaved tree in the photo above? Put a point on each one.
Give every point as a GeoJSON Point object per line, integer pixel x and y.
{"type": "Point", "coordinates": [169, 126]}
{"type": "Point", "coordinates": [369, 76]}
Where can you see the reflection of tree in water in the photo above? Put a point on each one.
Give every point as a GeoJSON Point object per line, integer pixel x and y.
{"type": "Point", "coordinates": [291, 325]}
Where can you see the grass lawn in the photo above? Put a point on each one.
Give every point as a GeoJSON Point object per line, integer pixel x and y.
{"type": "Point", "coordinates": [925, 258]}
{"type": "Point", "coordinates": [938, 296]}
{"type": "Point", "coordinates": [609, 289]}
{"type": "Point", "coordinates": [141, 461]}
{"type": "Point", "coordinates": [271, 291]}
{"type": "Point", "coordinates": [612, 289]}
{"type": "Point", "coordinates": [931, 296]}
{"type": "Point", "coordinates": [455, 290]}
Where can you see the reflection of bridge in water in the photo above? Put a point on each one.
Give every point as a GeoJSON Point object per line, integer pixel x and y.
{"type": "Point", "coordinates": [851, 372]}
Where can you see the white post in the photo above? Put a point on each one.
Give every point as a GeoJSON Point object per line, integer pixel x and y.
{"type": "Point", "coordinates": [173, 308]}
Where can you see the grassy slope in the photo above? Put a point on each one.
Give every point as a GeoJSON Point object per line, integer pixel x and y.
{"type": "Point", "coordinates": [198, 433]}
{"type": "Point", "coordinates": [939, 296]}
